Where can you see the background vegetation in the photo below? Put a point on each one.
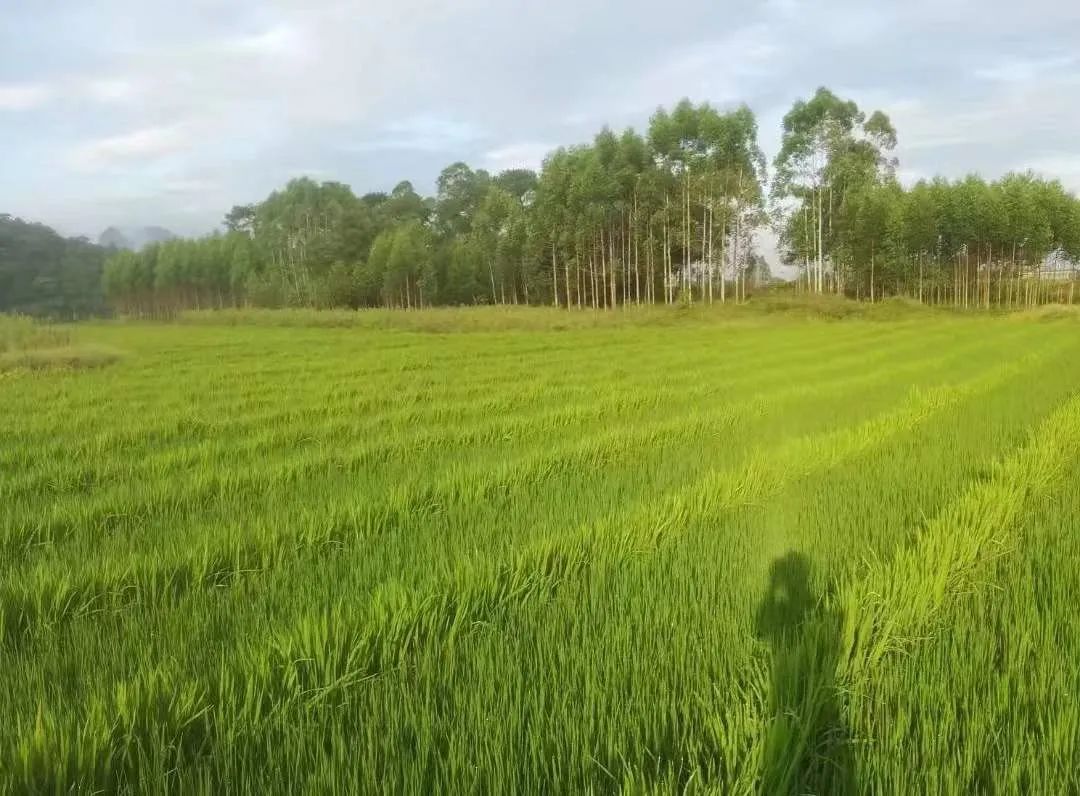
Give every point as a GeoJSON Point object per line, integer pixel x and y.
{"type": "Point", "coordinates": [665, 216]}
{"type": "Point", "coordinates": [46, 275]}
{"type": "Point", "coordinates": [26, 344]}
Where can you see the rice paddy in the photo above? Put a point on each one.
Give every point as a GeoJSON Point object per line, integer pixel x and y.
{"type": "Point", "coordinates": [665, 554]}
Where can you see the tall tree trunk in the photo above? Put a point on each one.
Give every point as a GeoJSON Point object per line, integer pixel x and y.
{"type": "Point", "coordinates": [821, 250]}
{"type": "Point", "coordinates": [592, 274]}
{"type": "Point", "coordinates": [871, 273]}
{"type": "Point", "coordinates": [611, 264]}
{"type": "Point", "coordinates": [806, 251]}
{"type": "Point", "coordinates": [566, 281]}
{"type": "Point", "coordinates": [736, 252]}
{"type": "Point", "coordinates": [703, 240]}
{"type": "Point", "coordinates": [723, 255]}
{"type": "Point", "coordinates": [712, 265]}
{"type": "Point", "coordinates": [601, 275]}
{"type": "Point", "coordinates": [580, 281]}
{"type": "Point", "coordinates": [650, 277]}
{"type": "Point", "coordinates": [1001, 285]}
{"type": "Point", "coordinates": [637, 252]}
{"type": "Point", "coordinates": [835, 274]}
{"type": "Point", "coordinates": [1015, 287]}
{"type": "Point", "coordinates": [686, 242]}
{"type": "Point", "coordinates": [555, 279]}
{"type": "Point", "coordinates": [667, 252]}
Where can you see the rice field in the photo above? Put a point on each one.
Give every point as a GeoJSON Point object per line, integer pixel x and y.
{"type": "Point", "coordinates": [681, 555]}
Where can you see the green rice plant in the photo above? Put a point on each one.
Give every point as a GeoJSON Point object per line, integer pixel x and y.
{"type": "Point", "coordinates": [230, 556]}
{"type": "Point", "coordinates": [69, 357]}
{"type": "Point", "coordinates": [491, 550]}
{"type": "Point", "coordinates": [19, 333]}
{"type": "Point", "coordinates": [26, 344]}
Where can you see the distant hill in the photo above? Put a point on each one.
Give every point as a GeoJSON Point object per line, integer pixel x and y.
{"type": "Point", "coordinates": [45, 274]}
{"type": "Point", "coordinates": [112, 238]}
{"type": "Point", "coordinates": [134, 238]}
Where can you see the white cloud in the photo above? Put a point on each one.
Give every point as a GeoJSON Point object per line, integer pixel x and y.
{"type": "Point", "coordinates": [139, 145]}
{"type": "Point", "coordinates": [521, 155]}
{"type": "Point", "coordinates": [422, 133]}
{"type": "Point", "coordinates": [1064, 166]}
{"type": "Point", "coordinates": [182, 185]}
{"type": "Point", "coordinates": [280, 40]}
{"type": "Point", "coordinates": [784, 9]}
{"type": "Point", "coordinates": [720, 71]}
{"type": "Point", "coordinates": [313, 173]}
{"type": "Point", "coordinates": [238, 92]}
{"type": "Point", "coordinates": [910, 176]}
{"type": "Point", "coordinates": [1021, 70]}
{"type": "Point", "coordinates": [1015, 113]}
{"type": "Point", "coordinates": [111, 90]}
{"type": "Point", "coordinates": [24, 97]}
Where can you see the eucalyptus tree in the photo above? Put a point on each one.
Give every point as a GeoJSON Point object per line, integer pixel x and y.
{"type": "Point", "coordinates": [408, 277]}
{"type": "Point", "coordinates": [519, 183]}
{"type": "Point", "coordinates": [302, 229]}
{"type": "Point", "coordinates": [624, 217]}
{"type": "Point", "coordinates": [244, 263]}
{"type": "Point", "coordinates": [587, 203]}
{"type": "Point", "coordinates": [679, 151]}
{"type": "Point", "coordinates": [829, 148]}
{"type": "Point", "coordinates": [464, 282]}
{"type": "Point", "coordinates": [737, 163]}
{"type": "Point", "coordinates": [404, 204]}
{"type": "Point", "coordinates": [498, 237]}
{"type": "Point", "coordinates": [241, 219]}
{"type": "Point", "coordinates": [370, 276]}
{"type": "Point", "coordinates": [120, 281]}
{"type": "Point", "coordinates": [633, 161]}
{"type": "Point", "coordinates": [565, 213]}
{"type": "Point", "coordinates": [459, 192]}
{"type": "Point", "coordinates": [873, 218]}
{"type": "Point", "coordinates": [715, 162]}
{"type": "Point", "coordinates": [551, 229]}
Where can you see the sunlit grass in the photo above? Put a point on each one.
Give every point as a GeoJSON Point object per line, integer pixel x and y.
{"type": "Point", "coordinates": [26, 344]}
{"type": "Point", "coordinates": [660, 553]}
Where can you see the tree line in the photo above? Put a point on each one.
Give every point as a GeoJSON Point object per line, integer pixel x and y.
{"type": "Point", "coordinates": [668, 215]}
{"type": "Point", "coordinates": [44, 274]}
{"type": "Point", "coordinates": [845, 220]}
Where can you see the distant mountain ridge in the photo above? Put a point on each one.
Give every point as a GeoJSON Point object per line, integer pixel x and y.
{"type": "Point", "coordinates": [134, 238]}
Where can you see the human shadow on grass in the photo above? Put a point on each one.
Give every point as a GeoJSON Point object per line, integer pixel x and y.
{"type": "Point", "coordinates": [808, 745]}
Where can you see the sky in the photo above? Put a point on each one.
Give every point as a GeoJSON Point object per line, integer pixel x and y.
{"type": "Point", "coordinates": [143, 112]}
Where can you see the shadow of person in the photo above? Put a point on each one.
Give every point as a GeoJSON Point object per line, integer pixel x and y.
{"type": "Point", "coordinates": [807, 744]}
{"type": "Point", "coordinates": [787, 600]}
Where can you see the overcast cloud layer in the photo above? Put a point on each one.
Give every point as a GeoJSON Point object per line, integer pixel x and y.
{"type": "Point", "coordinates": [135, 112]}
